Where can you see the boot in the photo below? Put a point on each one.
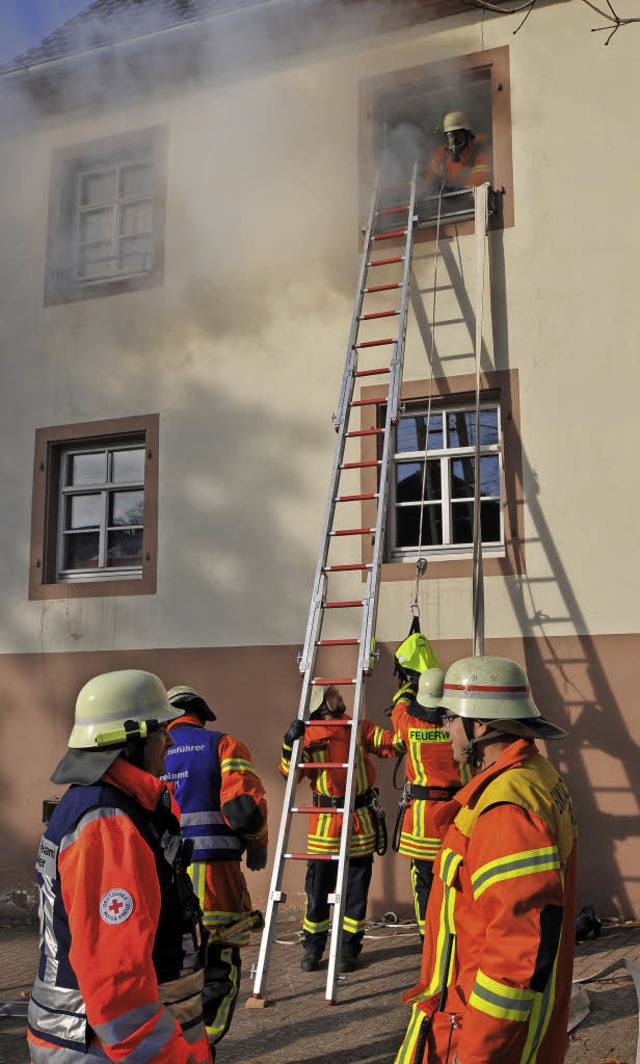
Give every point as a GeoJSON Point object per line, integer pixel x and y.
{"type": "Point", "coordinates": [349, 957]}
{"type": "Point", "coordinates": [311, 959]}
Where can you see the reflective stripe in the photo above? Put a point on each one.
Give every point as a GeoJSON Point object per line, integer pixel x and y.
{"type": "Point", "coordinates": [353, 926]}
{"type": "Point", "coordinates": [88, 818]}
{"type": "Point", "coordinates": [502, 1001]}
{"type": "Point", "coordinates": [141, 712]}
{"type": "Point", "coordinates": [128, 1023]}
{"type": "Point", "coordinates": [65, 1026]}
{"type": "Point", "coordinates": [154, 1042]}
{"type": "Point", "coordinates": [516, 864]}
{"type": "Point", "coordinates": [50, 1054]}
{"type": "Point", "coordinates": [58, 997]}
{"type": "Point", "coordinates": [315, 929]}
{"type": "Point", "coordinates": [405, 1053]}
{"type": "Point", "coordinates": [187, 819]}
{"type": "Point", "coordinates": [218, 1027]}
{"type": "Point", "coordinates": [237, 764]}
{"type": "Point", "coordinates": [449, 865]}
{"type": "Point", "coordinates": [540, 1017]}
{"type": "Point", "coordinates": [216, 842]}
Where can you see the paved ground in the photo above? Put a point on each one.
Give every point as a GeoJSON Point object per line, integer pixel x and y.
{"type": "Point", "coordinates": [367, 1024]}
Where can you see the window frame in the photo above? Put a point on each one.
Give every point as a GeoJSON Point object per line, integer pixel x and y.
{"type": "Point", "coordinates": [445, 456]}
{"type": "Point", "coordinates": [495, 61]}
{"type": "Point", "coordinates": [51, 445]}
{"type": "Point", "coordinates": [67, 166]}
{"type": "Point", "coordinates": [499, 387]}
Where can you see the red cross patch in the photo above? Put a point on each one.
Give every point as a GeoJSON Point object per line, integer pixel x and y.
{"type": "Point", "coordinates": [116, 906]}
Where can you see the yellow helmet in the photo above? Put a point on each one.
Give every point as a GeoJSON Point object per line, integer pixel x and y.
{"type": "Point", "coordinates": [317, 697]}
{"type": "Point", "coordinates": [108, 700]}
{"type": "Point", "coordinates": [455, 120]}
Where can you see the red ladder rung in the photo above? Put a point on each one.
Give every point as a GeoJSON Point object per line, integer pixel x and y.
{"type": "Point", "coordinates": [332, 681]}
{"type": "Point", "coordinates": [309, 766]}
{"type": "Point", "coordinates": [364, 432]}
{"type": "Point", "coordinates": [351, 531]}
{"type": "Point", "coordinates": [357, 498]}
{"type": "Point", "coordinates": [393, 210]}
{"type": "Point", "coordinates": [372, 372]}
{"type": "Point", "coordinates": [386, 262]}
{"type": "Point", "coordinates": [315, 808]}
{"type": "Point", "coordinates": [379, 314]}
{"type": "Point", "coordinates": [329, 724]}
{"type": "Point", "coordinates": [382, 287]}
{"type": "Point", "coordinates": [343, 605]}
{"type": "Point", "coordinates": [338, 642]}
{"type": "Point", "coordinates": [371, 402]}
{"type": "Point", "coordinates": [310, 857]}
{"type": "Point", "coordinates": [377, 343]}
{"type": "Point", "coordinates": [390, 236]}
{"type": "Point", "coordinates": [360, 465]}
{"type": "Point", "coordinates": [347, 569]}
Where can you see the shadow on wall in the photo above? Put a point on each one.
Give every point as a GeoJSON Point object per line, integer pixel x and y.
{"type": "Point", "coordinates": [569, 675]}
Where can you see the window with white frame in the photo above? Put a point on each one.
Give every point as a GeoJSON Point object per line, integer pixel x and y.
{"type": "Point", "coordinates": [433, 483]}
{"type": "Point", "coordinates": [101, 511]}
{"type": "Point", "coordinates": [106, 224]}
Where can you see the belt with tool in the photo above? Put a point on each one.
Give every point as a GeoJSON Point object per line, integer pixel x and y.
{"type": "Point", "coordinates": [432, 794]}
{"type": "Point", "coordinates": [322, 801]}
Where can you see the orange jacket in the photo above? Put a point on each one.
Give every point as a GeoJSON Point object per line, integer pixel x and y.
{"type": "Point", "coordinates": [472, 168]}
{"type": "Point", "coordinates": [102, 906]}
{"type": "Point", "coordinates": [326, 742]}
{"type": "Point", "coordinates": [429, 764]}
{"type": "Point", "coordinates": [503, 903]}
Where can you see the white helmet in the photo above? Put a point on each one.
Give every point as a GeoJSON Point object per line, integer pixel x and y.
{"type": "Point", "coordinates": [430, 688]}
{"type": "Point", "coordinates": [488, 688]}
{"type": "Point", "coordinates": [455, 120]}
{"type": "Point", "coordinates": [107, 701]}
{"type": "Point", "coordinates": [318, 695]}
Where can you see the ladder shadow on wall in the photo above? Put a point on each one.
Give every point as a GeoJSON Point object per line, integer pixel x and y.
{"type": "Point", "coordinates": [569, 679]}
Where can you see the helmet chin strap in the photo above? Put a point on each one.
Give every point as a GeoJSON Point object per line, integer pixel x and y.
{"type": "Point", "coordinates": [473, 752]}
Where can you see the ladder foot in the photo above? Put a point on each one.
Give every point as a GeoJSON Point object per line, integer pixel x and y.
{"type": "Point", "coordinates": [256, 1002]}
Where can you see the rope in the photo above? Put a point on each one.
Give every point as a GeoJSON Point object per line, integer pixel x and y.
{"type": "Point", "coordinates": [480, 198]}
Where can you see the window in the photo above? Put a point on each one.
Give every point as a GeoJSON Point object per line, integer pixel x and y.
{"type": "Point", "coordinates": [441, 495]}
{"type": "Point", "coordinates": [433, 506]}
{"type": "Point", "coordinates": [94, 526]}
{"type": "Point", "coordinates": [106, 223]}
{"type": "Point", "coordinates": [401, 121]}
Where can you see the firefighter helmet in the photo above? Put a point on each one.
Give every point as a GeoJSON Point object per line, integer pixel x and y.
{"type": "Point", "coordinates": [430, 688]}
{"type": "Point", "coordinates": [455, 120]}
{"type": "Point", "coordinates": [189, 701]}
{"type": "Point", "coordinates": [318, 696]}
{"type": "Point", "coordinates": [487, 688]}
{"type": "Point", "coordinates": [108, 700]}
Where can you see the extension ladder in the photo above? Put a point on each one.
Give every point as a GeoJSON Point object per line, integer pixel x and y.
{"type": "Point", "coordinates": [388, 225]}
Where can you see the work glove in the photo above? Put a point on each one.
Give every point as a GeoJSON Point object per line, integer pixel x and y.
{"type": "Point", "coordinates": [256, 858]}
{"type": "Point", "coordinates": [293, 732]}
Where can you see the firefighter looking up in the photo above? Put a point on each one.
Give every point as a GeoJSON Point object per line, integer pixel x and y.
{"type": "Point", "coordinates": [121, 942]}
{"type": "Point", "coordinates": [224, 812]}
{"type": "Point", "coordinates": [327, 742]}
{"type": "Point", "coordinates": [433, 777]}
{"type": "Point", "coordinates": [495, 983]}
{"type": "Point", "coordinates": [462, 161]}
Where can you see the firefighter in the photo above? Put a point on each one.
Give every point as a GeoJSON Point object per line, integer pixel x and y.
{"type": "Point", "coordinates": [433, 777]}
{"type": "Point", "coordinates": [495, 982]}
{"type": "Point", "coordinates": [224, 812]}
{"type": "Point", "coordinates": [121, 942]}
{"type": "Point", "coordinates": [462, 161]}
{"type": "Point", "coordinates": [330, 742]}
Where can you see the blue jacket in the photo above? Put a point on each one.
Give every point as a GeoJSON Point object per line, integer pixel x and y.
{"type": "Point", "coordinates": [193, 766]}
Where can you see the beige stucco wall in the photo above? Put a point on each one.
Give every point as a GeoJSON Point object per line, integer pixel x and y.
{"type": "Point", "coordinates": [241, 353]}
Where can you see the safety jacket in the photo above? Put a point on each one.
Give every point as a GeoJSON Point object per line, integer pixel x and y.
{"type": "Point", "coordinates": [121, 956]}
{"type": "Point", "coordinates": [224, 810]}
{"type": "Point", "coordinates": [432, 776]}
{"type": "Point", "coordinates": [472, 168]}
{"type": "Point", "coordinates": [327, 742]}
{"type": "Point", "coordinates": [495, 983]}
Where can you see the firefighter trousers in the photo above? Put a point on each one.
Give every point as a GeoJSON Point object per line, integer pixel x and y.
{"type": "Point", "coordinates": [221, 986]}
{"type": "Point", "coordinates": [421, 873]}
{"type": "Point", "coordinates": [320, 881]}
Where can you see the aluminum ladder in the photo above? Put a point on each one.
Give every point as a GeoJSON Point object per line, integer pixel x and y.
{"type": "Point", "coordinates": [395, 224]}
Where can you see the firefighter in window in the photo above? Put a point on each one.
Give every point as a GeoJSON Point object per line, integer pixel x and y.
{"type": "Point", "coordinates": [462, 162]}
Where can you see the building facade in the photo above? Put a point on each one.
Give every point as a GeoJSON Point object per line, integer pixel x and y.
{"type": "Point", "coordinates": [181, 204]}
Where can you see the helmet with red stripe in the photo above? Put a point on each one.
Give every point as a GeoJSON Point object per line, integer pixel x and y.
{"type": "Point", "coordinates": [487, 688]}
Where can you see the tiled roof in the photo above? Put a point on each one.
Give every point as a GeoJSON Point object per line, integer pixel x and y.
{"type": "Point", "coordinates": [106, 22]}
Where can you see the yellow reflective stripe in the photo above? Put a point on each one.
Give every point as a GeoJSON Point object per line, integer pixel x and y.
{"type": "Point", "coordinates": [465, 773]}
{"type": "Point", "coordinates": [237, 764]}
{"type": "Point", "coordinates": [361, 774]}
{"type": "Point", "coordinates": [449, 864]}
{"type": "Point", "coordinates": [421, 775]}
{"type": "Point", "coordinates": [216, 1029]}
{"type": "Point", "coordinates": [515, 864]}
{"type": "Point", "coordinates": [539, 1019]}
{"type": "Point", "coordinates": [406, 1051]}
{"type": "Point", "coordinates": [500, 1000]}
{"type": "Point", "coordinates": [353, 925]}
{"type": "Point", "coordinates": [440, 976]}
{"type": "Point", "coordinates": [315, 928]}
{"type": "Point", "coordinates": [419, 849]}
{"type": "Point", "coordinates": [413, 875]}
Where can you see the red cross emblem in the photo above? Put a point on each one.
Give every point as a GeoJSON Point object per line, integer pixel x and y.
{"type": "Point", "coordinates": [116, 906]}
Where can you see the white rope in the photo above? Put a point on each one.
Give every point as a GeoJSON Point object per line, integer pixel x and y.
{"type": "Point", "coordinates": [481, 202]}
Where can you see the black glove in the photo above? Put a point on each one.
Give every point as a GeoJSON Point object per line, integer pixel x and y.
{"type": "Point", "coordinates": [256, 858]}
{"type": "Point", "coordinates": [294, 731]}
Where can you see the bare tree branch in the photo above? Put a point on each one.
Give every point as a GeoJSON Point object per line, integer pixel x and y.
{"type": "Point", "coordinates": [611, 17]}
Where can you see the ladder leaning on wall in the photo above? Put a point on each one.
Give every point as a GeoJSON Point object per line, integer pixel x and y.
{"type": "Point", "coordinates": [389, 227]}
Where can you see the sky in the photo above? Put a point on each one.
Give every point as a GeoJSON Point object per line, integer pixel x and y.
{"type": "Point", "coordinates": [25, 22]}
